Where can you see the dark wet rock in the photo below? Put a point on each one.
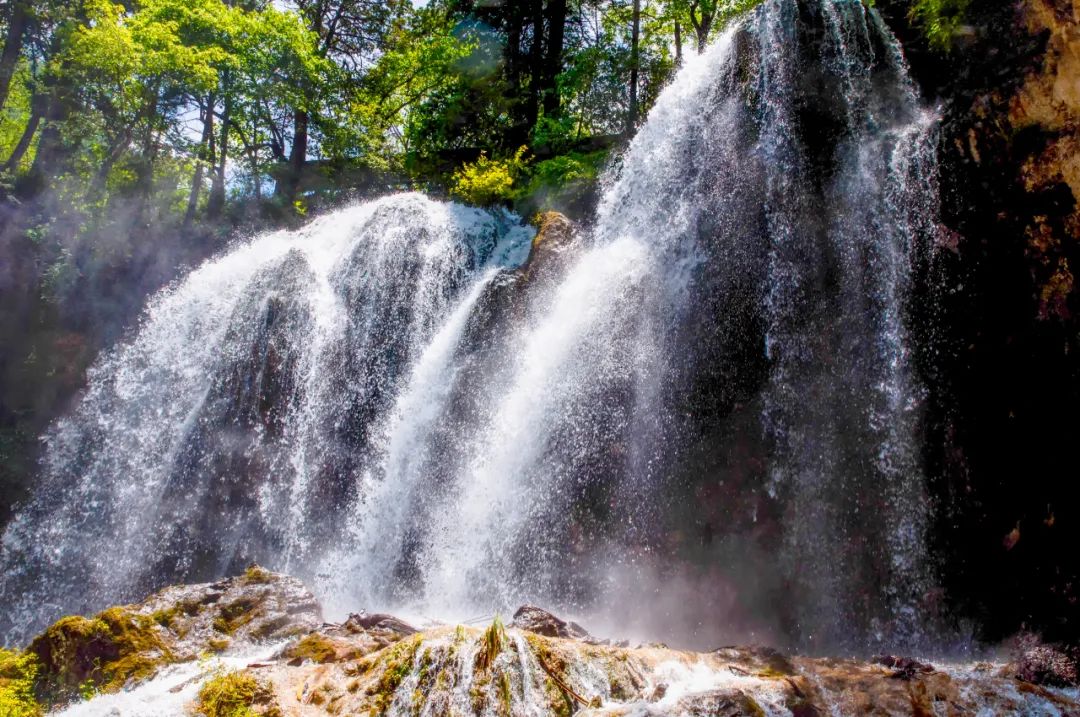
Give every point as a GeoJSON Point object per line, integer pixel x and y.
{"type": "Point", "coordinates": [903, 668]}
{"type": "Point", "coordinates": [380, 622]}
{"type": "Point", "coordinates": [553, 244]}
{"type": "Point", "coordinates": [1047, 665]}
{"type": "Point", "coordinates": [719, 703]}
{"type": "Point", "coordinates": [542, 622]}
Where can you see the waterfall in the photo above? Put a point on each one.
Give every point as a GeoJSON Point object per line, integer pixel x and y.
{"type": "Point", "coordinates": [711, 387]}
{"type": "Point", "coordinates": [241, 414]}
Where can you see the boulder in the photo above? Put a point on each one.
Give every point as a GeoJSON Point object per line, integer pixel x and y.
{"type": "Point", "coordinates": [553, 243]}
{"type": "Point", "coordinates": [127, 644]}
{"type": "Point", "coordinates": [534, 619]}
{"type": "Point", "coordinates": [379, 622]}
{"type": "Point", "coordinates": [1048, 665]}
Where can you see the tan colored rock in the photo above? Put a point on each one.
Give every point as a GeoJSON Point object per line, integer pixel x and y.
{"type": "Point", "coordinates": [1050, 96]}
{"type": "Point", "coordinates": [126, 645]}
{"type": "Point", "coordinates": [553, 243]}
{"type": "Point", "coordinates": [373, 666]}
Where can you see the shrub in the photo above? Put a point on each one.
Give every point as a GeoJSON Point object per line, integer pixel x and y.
{"type": "Point", "coordinates": [488, 181]}
{"type": "Point", "coordinates": [17, 673]}
{"type": "Point", "coordinates": [229, 694]}
{"type": "Point", "coordinates": [940, 20]}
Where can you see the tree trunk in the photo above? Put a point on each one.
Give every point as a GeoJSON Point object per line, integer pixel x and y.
{"type": "Point", "coordinates": [556, 30]}
{"type": "Point", "coordinates": [703, 33]}
{"type": "Point", "coordinates": [13, 43]}
{"type": "Point", "coordinates": [297, 157]}
{"type": "Point", "coordinates": [635, 58]}
{"type": "Point", "coordinates": [216, 202]}
{"type": "Point", "coordinates": [703, 24]}
{"type": "Point", "coordinates": [200, 163]}
{"type": "Point", "coordinates": [37, 110]}
{"type": "Point", "coordinates": [536, 70]}
{"type": "Point", "coordinates": [50, 148]}
{"type": "Point", "coordinates": [678, 44]}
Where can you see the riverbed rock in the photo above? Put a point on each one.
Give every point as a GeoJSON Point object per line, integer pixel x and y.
{"type": "Point", "coordinates": [378, 664]}
{"type": "Point", "coordinates": [125, 645]}
{"type": "Point", "coordinates": [1047, 665]}
{"type": "Point", "coordinates": [542, 622]}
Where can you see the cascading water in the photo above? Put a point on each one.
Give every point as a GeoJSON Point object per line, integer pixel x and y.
{"type": "Point", "coordinates": [374, 404]}
{"type": "Point", "coordinates": [236, 421]}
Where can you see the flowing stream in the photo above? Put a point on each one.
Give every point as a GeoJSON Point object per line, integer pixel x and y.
{"type": "Point", "coordinates": [388, 406]}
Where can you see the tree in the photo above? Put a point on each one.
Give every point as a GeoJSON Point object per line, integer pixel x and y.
{"type": "Point", "coordinates": [18, 17]}
{"type": "Point", "coordinates": [348, 33]}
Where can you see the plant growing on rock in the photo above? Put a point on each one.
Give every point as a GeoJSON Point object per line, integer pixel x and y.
{"type": "Point", "coordinates": [17, 674]}
{"type": "Point", "coordinates": [491, 644]}
{"type": "Point", "coordinates": [234, 694]}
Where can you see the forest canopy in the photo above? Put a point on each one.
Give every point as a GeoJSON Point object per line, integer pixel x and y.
{"type": "Point", "coordinates": [181, 110]}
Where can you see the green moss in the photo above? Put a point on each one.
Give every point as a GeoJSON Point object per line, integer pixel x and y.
{"type": "Point", "coordinates": [103, 653]}
{"type": "Point", "coordinates": [229, 694]}
{"type": "Point", "coordinates": [314, 647]}
{"type": "Point", "coordinates": [233, 616]}
{"type": "Point", "coordinates": [559, 703]}
{"type": "Point", "coordinates": [166, 617]}
{"type": "Point", "coordinates": [217, 645]}
{"type": "Point", "coordinates": [397, 663]}
{"type": "Point", "coordinates": [256, 575]}
{"type": "Point", "coordinates": [18, 672]}
{"type": "Point", "coordinates": [142, 651]}
{"type": "Point", "coordinates": [504, 693]}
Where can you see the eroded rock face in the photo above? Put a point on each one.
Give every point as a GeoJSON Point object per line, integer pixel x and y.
{"type": "Point", "coordinates": [999, 306]}
{"type": "Point", "coordinates": [125, 645]}
{"type": "Point", "coordinates": [378, 664]}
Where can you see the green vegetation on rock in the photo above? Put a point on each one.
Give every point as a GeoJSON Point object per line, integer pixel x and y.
{"type": "Point", "coordinates": [104, 653]}
{"type": "Point", "coordinates": [229, 694]}
{"type": "Point", "coordinates": [18, 672]}
{"type": "Point", "coordinates": [941, 20]}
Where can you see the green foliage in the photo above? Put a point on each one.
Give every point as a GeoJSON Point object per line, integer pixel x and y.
{"type": "Point", "coordinates": [80, 655]}
{"type": "Point", "coordinates": [16, 113]}
{"type": "Point", "coordinates": [941, 20]}
{"type": "Point", "coordinates": [228, 694]}
{"type": "Point", "coordinates": [17, 674]}
{"type": "Point", "coordinates": [255, 575]}
{"type": "Point", "coordinates": [492, 643]}
{"type": "Point", "coordinates": [489, 181]}
{"type": "Point", "coordinates": [730, 10]}
{"type": "Point", "coordinates": [566, 169]}
{"type": "Point", "coordinates": [314, 647]}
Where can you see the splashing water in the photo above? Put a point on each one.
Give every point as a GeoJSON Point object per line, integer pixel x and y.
{"type": "Point", "coordinates": [383, 403]}
{"type": "Point", "coordinates": [232, 426]}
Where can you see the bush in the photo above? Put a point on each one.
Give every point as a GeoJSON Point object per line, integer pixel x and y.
{"type": "Point", "coordinates": [567, 168]}
{"type": "Point", "coordinates": [17, 673]}
{"type": "Point", "coordinates": [940, 20]}
{"type": "Point", "coordinates": [488, 181]}
{"type": "Point", "coordinates": [562, 183]}
{"type": "Point", "coordinates": [229, 694]}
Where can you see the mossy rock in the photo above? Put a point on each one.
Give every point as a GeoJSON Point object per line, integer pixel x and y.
{"type": "Point", "coordinates": [106, 652]}
{"type": "Point", "coordinates": [315, 647]}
